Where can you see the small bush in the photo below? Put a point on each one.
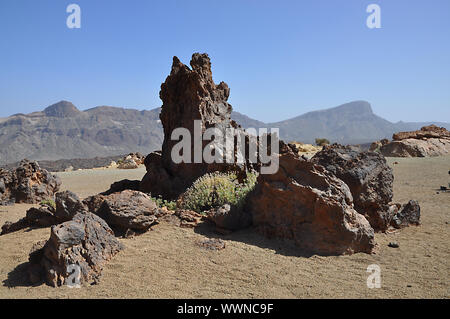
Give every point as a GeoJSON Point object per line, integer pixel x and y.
{"type": "Point", "coordinates": [217, 189]}
{"type": "Point", "coordinates": [170, 205]}
{"type": "Point", "coordinates": [48, 202]}
{"type": "Point", "coordinates": [322, 141]}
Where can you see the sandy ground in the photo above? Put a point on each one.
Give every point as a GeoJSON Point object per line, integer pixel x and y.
{"type": "Point", "coordinates": [166, 263]}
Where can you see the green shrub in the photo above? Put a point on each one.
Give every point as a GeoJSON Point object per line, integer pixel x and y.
{"type": "Point", "coordinates": [217, 189]}
{"type": "Point", "coordinates": [322, 141]}
{"type": "Point", "coordinates": [48, 202]}
{"type": "Point", "coordinates": [170, 205]}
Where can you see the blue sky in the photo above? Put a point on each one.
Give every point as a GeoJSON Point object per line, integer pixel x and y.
{"type": "Point", "coordinates": [280, 58]}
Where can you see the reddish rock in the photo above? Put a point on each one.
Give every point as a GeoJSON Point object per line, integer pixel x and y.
{"type": "Point", "coordinates": [189, 95]}
{"type": "Point", "coordinates": [129, 210]}
{"type": "Point", "coordinates": [306, 203]}
{"type": "Point", "coordinates": [27, 183]}
{"type": "Point", "coordinates": [367, 175]}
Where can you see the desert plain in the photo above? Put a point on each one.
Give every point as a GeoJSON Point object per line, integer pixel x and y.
{"type": "Point", "coordinates": [166, 262]}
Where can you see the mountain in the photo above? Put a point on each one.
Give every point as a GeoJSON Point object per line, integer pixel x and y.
{"type": "Point", "coordinates": [61, 131]}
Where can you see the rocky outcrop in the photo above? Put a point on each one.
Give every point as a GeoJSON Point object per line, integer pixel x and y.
{"type": "Point", "coordinates": [428, 141]}
{"type": "Point", "coordinates": [188, 95]}
{"type": "Point", "coordinates": [76, 252]}
{"type": "Point", "coordinates": [367, 175]}
{"type": "Point", "coordinates": [27, 183]}
{"type": "Point", "coordinates": [306, 203]}
{"type": "Point", "coordinates": [129, 210]}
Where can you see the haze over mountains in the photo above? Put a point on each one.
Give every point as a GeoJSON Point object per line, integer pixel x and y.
{"type": "Point", "coordinates": [61, 131]}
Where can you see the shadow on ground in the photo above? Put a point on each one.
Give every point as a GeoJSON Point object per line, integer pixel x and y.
{"type": "Point", "coordinates": [251, 237]}
{"type": "Point", "coordinates": [18, 277]}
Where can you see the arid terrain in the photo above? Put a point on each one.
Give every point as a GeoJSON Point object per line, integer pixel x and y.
{"type": "Point", "coordinates": [166, 262]}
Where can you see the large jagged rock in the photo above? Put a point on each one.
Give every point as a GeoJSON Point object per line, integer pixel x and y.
{"type": "Point", "coordinates": [369, 178]}
{"type": "Point", "coordinates": [27, 183]}
{"type": "Point", "coordinates": [129, 210]}
{"type": "Point", "coordinates": [86, 242]}
{"type": "Point", "coordinates": [306, 203]}
{"type": "Point", "coordinates": [428, 141]}
{"type": "Point", "coordinates": [188, 95]}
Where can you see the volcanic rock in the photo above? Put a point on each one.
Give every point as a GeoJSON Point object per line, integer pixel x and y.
{"type": "Point", "coordinates": [43, 216]}
{"type": "Point", "coordinates": [27, 183]}
{"type": "Point", "coordinates": [129, 210]}
{"type": "Point", "coordinates": [229, 217]}
{"type": "Point", "coordinates": [306, 203]}
{"type": "Point", "coordinates": [189, 95]}
{"type": "Point", "coordinates": [408, 215]}
{"type": "Point", "coordinates": [68, 204]}
{"type": "Point", "coordinates": [86, 242]}
{"type": "Point", "coordinates": [367, 175]}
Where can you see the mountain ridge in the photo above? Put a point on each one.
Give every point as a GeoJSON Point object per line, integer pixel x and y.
{"type": "Point", "coordinates": [62, 131]}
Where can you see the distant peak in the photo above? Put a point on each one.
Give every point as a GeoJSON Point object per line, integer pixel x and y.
{"type": "Point", "coordinates": [62, 109]}
{"type": "Point", "coordinates": [356, 106]}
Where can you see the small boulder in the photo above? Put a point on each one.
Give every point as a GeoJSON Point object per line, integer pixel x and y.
{"type": "Point", "coordinates": [85, 242]}
{"type": "Point", "coordinates": [129, 210]}
{"type": "Point", "coordinates": [408, 215]}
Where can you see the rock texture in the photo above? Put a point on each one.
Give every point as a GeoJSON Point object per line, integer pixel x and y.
{"type": "Point", "coordinates": [27, 183]}
{"type": "Point", "coordinates": [428, 141]}
{"type": "Point", "coordinates": [188, 95]}
{"type": "Point", "coordinates": [367, 175]}
{"type": "Point", "coordinates": [129, 210]}
{"type": "Point", "coordinates": [43, 216]}
{"type": "Point", "coordinates": [67, 205]}
{"type": "Point", "coordinates": [86, 242]}
{"type": "Point", "coordinates": [408, 215]}
{"type": "Point", "coordinates": [229, 217]}
{"type": "Point", "coordinates": [306, 203]}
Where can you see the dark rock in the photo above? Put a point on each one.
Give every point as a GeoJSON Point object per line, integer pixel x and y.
{"type": "Point", "coordinates": [43, 216]}
{"type": "Point", "coordinates": [367, 175]}
{"type": "Point", "coordinates": [129, 210]}
{"type": "Point", "coordinates": [86, 241]}
{"type": "Point", "coordinates": [393, 244]}
{"type": "Point", "coordinates": [306, 203]}
{"type": "Point", "coordinates": [68, 204]}
{"type": "Point", "coordinates": [189, 95]}
{"type": "Point", "coordinates": [408, 215]}
{"type": "Point", "coordinates": [94, 202]}
{"type": "Point", "coordinates": [122, 185]}
{"type": "Point", "coordinates": [230, 217]}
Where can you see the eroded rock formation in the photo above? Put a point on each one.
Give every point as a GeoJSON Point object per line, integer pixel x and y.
{"type": "Point", "coordinates": [27, 183]}
{"type": "Point", "coordinates": [188, 95]}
